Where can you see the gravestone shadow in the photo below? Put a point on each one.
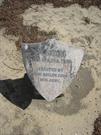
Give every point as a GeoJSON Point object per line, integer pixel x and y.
{"type": "Point", "coordinates": [19, 91]}
{"type": "Point", "coordinates": [71, 102]}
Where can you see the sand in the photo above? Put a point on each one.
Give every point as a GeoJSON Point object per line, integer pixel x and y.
{"type": "Point", "coordinates": [11, 65]}
{"type": "Point", "coordinates": [75, 112]}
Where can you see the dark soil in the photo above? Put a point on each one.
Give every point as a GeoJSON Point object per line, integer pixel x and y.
{"type": "Point", "coordinates": [10, 18]}
{"type": "Point", "coordinates": [97, 126]}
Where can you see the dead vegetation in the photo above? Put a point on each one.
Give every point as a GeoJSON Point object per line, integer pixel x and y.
{"type": "Point", "coordinates": [11, 20]}
{"type": "Point", "coordinates": [97, 126]}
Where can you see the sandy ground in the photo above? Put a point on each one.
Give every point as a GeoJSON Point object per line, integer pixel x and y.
{"type": "Point", "coordinates": [75, 112]}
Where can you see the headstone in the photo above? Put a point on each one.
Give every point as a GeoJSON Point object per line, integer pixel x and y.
{"type": "Point", "coordinates": [51, 66]}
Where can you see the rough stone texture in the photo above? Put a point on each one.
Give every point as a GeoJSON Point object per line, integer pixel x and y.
{"type": "Point", "coordinates": [51, 66]}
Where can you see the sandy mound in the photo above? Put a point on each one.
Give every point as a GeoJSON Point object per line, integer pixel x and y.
{"type": "Point", "coordinates": [73, 114]}
{"type": "Point", "coordinates": [11, 65]}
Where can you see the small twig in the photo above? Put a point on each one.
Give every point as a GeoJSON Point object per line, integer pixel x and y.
{"type": "Point", "coordinates": [11, 67]}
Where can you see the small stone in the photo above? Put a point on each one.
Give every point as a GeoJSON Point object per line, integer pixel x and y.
{"type": "Point", "coordinates": [51, 66]}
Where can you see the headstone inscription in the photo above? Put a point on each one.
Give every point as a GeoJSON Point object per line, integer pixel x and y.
{"type": "Point", "coordinates": [51, 66]}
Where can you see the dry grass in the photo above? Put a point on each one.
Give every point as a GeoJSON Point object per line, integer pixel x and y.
{"type": "Point", "coordinates": [10, 18]}
{"type": "Point", "coordinates": [97, 126]}
{"type": "Point", "coordinates": [12, 22]}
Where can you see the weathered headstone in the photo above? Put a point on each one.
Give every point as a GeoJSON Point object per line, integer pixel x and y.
{"type": "Point", "coordinates": [51, 66]}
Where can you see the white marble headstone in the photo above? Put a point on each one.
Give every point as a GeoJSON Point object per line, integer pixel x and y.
{"type": "Point", "coordinates": [51, 66]}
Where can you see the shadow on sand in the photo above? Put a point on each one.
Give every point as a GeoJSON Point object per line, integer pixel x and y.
{"type": "Point", "coordinates": [19, 91]}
